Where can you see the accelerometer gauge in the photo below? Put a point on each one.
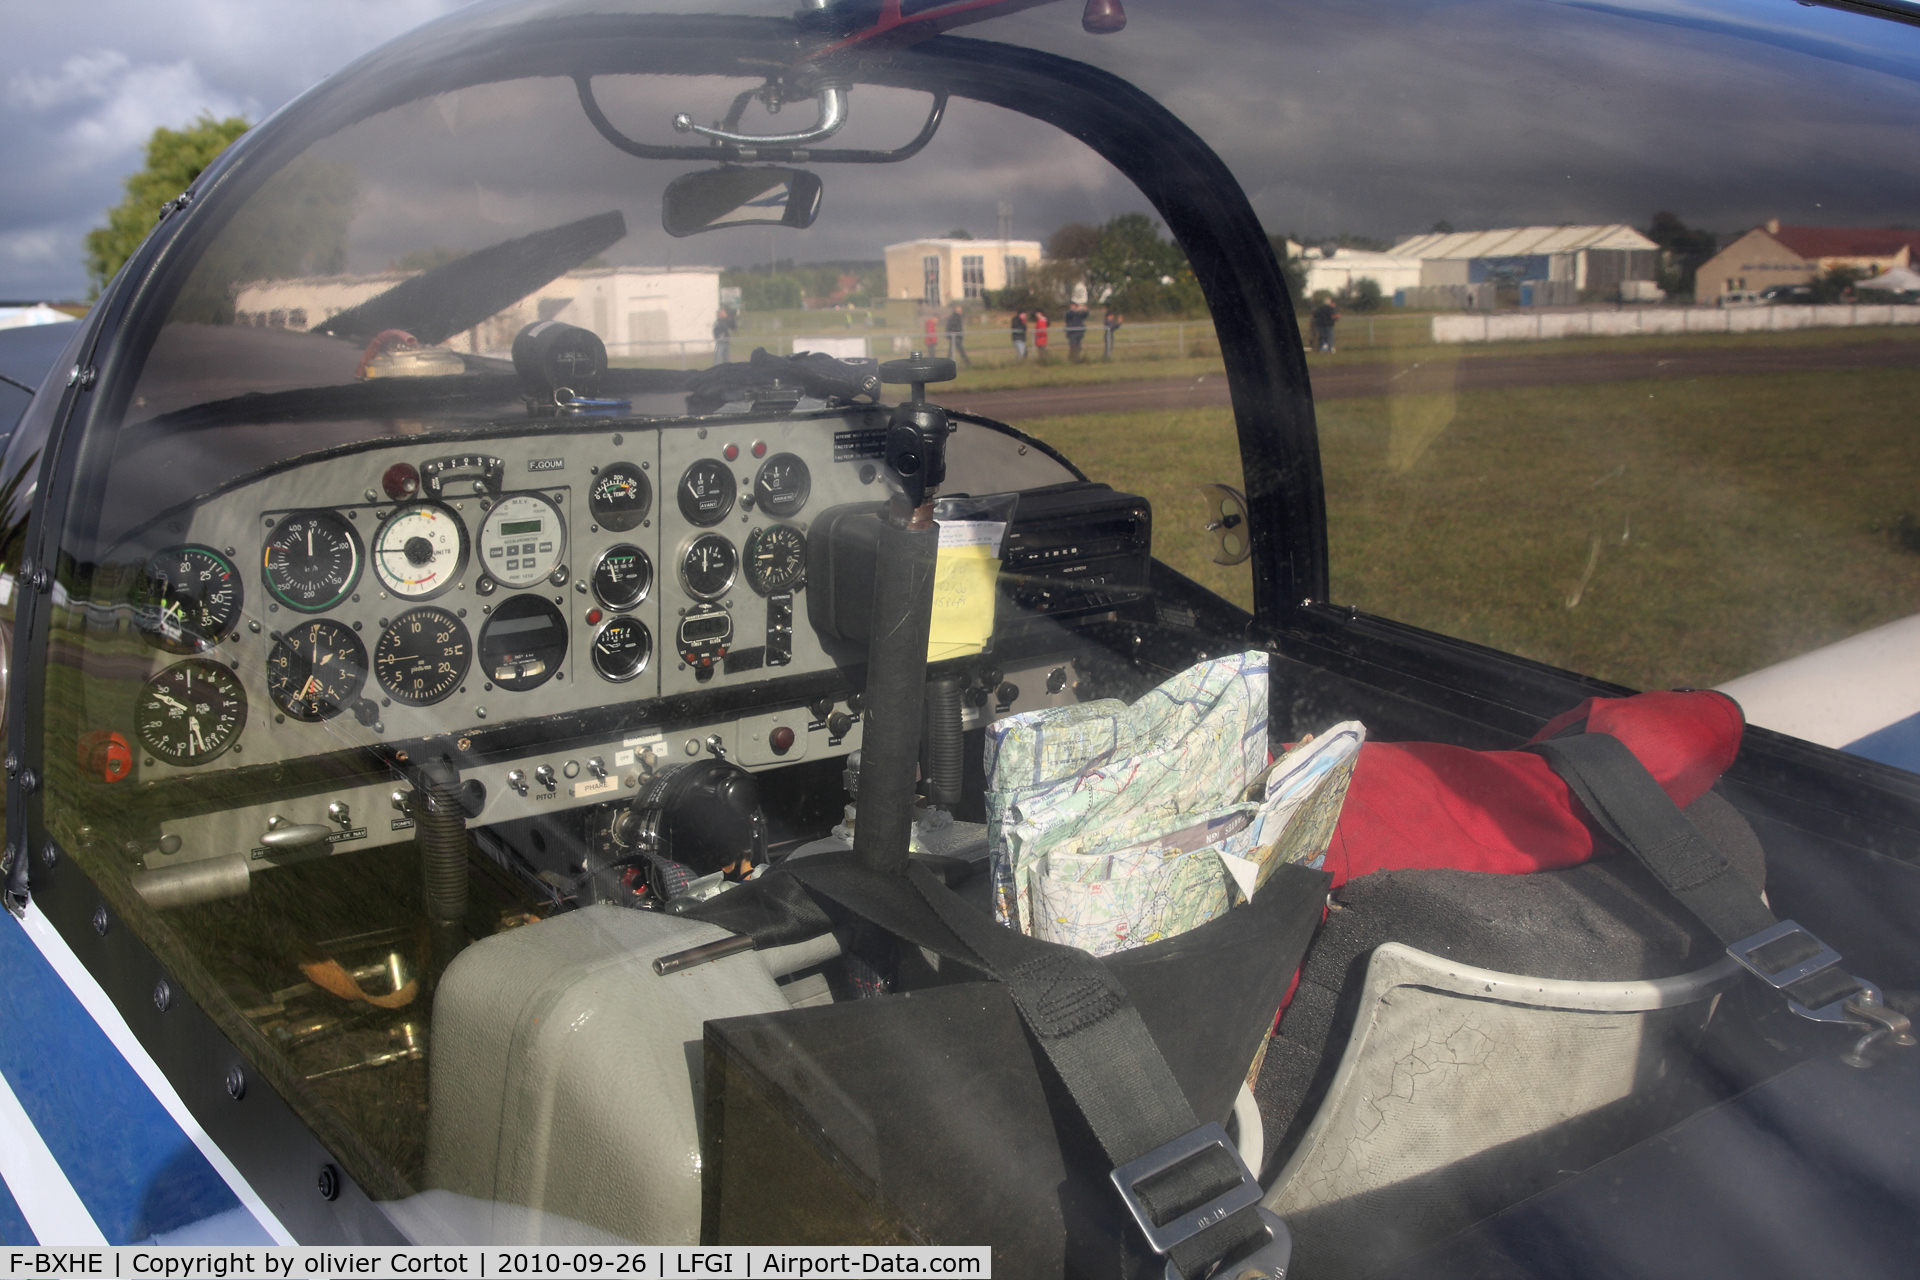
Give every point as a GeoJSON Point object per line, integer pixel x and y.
{"type": "Point", "coordinates": [523, 643]}
{"type": "Point", "coordinates": [620, 498]}
{"type": "Point", "coordinates": [191, 712]}
{"type": "Point", "coordinates": [706, 492]}
{"type": "Point", "coordinates": [420, 551]}
{"type": "Point", "coordinates": [311, 561]}
{"type": "Point", "coordinates": [776, 559]}
{"type": "Point", "coordinates": [708, 565]}
{"type": "Point", "coordinates": [522, 540]}
{"type": "Point", "coordinates": [621, 650]}
{"type": "Point", "coordinates": [782, 486]}
{"type": "Point", "coordinates": [622, 577]}
{"type": "Point", "coordinates": [316, 669]}
{"type": "Point", "coordinates": [189, 598]}
{"type": "Point", "coordinates": [423, 656]}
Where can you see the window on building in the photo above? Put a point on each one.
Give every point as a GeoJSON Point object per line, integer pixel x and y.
{"type": "Point", "coordinates": [1016, 270]}
{"type": "Point", "coordinates": [930, 279]}
{"type": "Point", "coordinates": [973, 275]}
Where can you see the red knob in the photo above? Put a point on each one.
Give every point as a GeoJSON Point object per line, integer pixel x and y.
{"type": "Point", "coordinates": [781, 740]}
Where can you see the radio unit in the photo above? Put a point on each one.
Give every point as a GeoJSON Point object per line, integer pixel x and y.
{"type": "Point", "coordinates": [1075, 549]}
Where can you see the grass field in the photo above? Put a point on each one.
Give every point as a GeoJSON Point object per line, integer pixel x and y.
{"type": "Point", "coordinates": [1653, 533]}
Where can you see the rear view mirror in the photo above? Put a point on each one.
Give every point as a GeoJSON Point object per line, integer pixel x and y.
{"type": "Point", "coordinates": [736, 197]}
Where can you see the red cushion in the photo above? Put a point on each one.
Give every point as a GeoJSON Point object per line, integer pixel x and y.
{"type": "Point", "coordinates": [1422, 804]}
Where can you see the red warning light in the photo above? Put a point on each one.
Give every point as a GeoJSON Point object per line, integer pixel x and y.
{"type": "Point", "coordinates": [731, 452]}
{"type": "Point", "coordinates": [593, 617]}
{"type": "Point", "coordinates": [401, 481]}
{"type": "Point", "coordinates": [759, 448]}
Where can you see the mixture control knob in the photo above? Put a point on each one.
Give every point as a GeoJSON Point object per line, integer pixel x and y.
{"type": "Point", "coordinates": [597, 767]}
{"type": "Point", "coordinates": [838, 723]}
{"type": "Point", "coordinates": [518, 781]}
{"type": "Point", "coordinates": [544, 775]}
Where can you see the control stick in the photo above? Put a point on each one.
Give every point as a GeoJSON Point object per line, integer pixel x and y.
{"type": "Point", "coordinates": [915, 464]}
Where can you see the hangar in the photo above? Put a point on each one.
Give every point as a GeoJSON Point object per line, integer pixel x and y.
{"type": "Point", "coordinates": [1576, 258]}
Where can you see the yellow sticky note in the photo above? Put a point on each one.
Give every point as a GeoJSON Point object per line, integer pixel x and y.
{"type": "Point", "coordinates": [963, 601]}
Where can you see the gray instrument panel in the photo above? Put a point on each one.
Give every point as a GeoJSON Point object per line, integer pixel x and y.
{"type": "Point", "coordinates": [689, 560]}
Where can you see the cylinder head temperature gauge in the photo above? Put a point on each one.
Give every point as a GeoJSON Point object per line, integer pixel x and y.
{"type": "Point", "coordinates": [420, 551]}
{"type": "Point", "coordinates": [522, 540]}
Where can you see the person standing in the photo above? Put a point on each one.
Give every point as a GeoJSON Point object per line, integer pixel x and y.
{"type": "Point", "coordinates": [723, 327]}
{"type": "Point", "coordinates": [1325, 316]}
{"type": "Point", "coordinates": [1020, 335]}
{"type": "Point", "coordinates": [1076, 330]}
{"type": "Point", "coordinates": [933, 336]}
{"type": "Point", "coordinates": [1040, 336]}
{"type": "Point", "coordinates": [957, 336]}
{"type": "Point", "coordinates": [1113, 321]}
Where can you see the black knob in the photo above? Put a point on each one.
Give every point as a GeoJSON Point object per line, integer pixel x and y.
{"type": "Point", "coordinates": [976, 697]}
{"type": "Point", "coordinates": [1056, 679]}
{"type": "Point", "coordinates": [1007, 693]}
{"type": "Point", "coordinates": [856, 702]}
{"type": "Point", "coordinates": [919, 368]}
{"type": "Point", "coordinates": [821, 708]}
{"type": "Point", "coordinates": [838, 723]}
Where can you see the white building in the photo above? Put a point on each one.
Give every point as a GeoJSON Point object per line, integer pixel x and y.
{"type": "Point", "coordinates": [1586, 257]}
{"type": "Point", "coordinates": [644, 312]}
{"type": "Point", "coordinates": [939, 271]}
{"type": "Point", "coordinates": [1340, 269]}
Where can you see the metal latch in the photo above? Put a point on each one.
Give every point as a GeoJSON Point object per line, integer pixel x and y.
{"type": "Point", "coordinates": [1269, 1261]}
{"type": "Point", "coordinates": [1787, 955]}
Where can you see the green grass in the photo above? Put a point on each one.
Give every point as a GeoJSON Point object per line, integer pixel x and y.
{"type": "Point", "coordinates": [1652, 533]}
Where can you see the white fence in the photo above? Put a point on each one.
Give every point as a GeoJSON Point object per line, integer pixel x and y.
{"type": "Point", "coordinates": [1626, 322]}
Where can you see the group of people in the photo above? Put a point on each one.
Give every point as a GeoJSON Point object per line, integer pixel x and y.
{"type": "Point", "coordinates": [1036, 323]}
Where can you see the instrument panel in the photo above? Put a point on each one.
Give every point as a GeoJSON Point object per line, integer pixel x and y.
{"type": "Point", "coordinates": [416, 589]}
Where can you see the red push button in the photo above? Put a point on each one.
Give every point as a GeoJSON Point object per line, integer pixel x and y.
{"type": "Point", "coordinates": [731, 452]}
{"type": "Point", "coordinates": [759, 448]}
{"type": "Point", "coordinates": [781, 740]}
{"type": "Point", "coordinates": [593, 617]}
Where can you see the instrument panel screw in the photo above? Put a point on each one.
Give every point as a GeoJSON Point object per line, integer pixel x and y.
{"type": "Point", "coordinates": [328, 1183]}
{"type": "Point", "coordinates": [236, 1083]}
{"type": "Point", "coordinates": [100, 921]}
{"type": "Point", "coordinates": [29, 781]}
{"type": "Point", "coordinates": [49, 853]}
{"type": "Point", "coordinates": [163, 995]}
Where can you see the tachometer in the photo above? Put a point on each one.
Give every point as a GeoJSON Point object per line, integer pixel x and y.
{"type": "Point", "coordinates": [190, 597]}
{"type": "Point", "coordinates": [621, 650]}
{"type": "Point", "coordinates": [316, 669]}
{"type": "Point", "coordinates": [420, 551]}
{"type": "Point", "coordinates": [311, 561]}
{"type": "Point", "coordinates": [522, 540]}
{"type": "Point", "coordinates": [776, 559]}
{"type": "Point", "coordinates": [191, 712]}
{"type": "Point", "coordinates": [622, 577]}
{"type": "Point", "coordinates": [706, 492]}
{"type": "Point", "coordinates": [620, 497]}
{"type": "Point", "coordinates": [423, 656]}
{"type": "Point", "coordinates": [708, 565]}
{"type": "Point", "coordinates": [782, 486]}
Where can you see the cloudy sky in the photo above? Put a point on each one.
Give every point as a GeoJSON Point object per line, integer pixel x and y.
{"type": "Point", "coordinates": [82, 86]}
{"type": "Point", "coordinates": [1337, 115]}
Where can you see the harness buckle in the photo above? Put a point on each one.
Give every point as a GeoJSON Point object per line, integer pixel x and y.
{"type": "Point", "coordinates": [1164, 1237]}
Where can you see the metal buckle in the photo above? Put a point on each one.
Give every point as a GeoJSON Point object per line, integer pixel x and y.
{"type": "Point", "coordinates": [1823, 959]}
{"type": "Point", "coordinates": [1166, 1236]}
{"type": "Point", "coordinates": [1268, 1262]}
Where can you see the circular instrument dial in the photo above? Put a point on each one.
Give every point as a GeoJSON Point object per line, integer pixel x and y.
{"type": "Point", "coordinates": [523, 643]}
{"type": "Point", "coordinates": [191, 712]}
{"type": "Point", "coordinates": [776, 559]}
{"type": "Point", "coordinates": [420, 551]}
{"type": "Point", "coordinates": [622, 648]}
{"type": "Point", "coordinates": [311, 561]}
{"type": "Point", "coordinates": [706, 492]}
{"type": "Point", "coordinates": [782, 486]}
{"type": "Point", "coordinates": [620, 498]}
{"type": "Point", "coordinates": [190, 597]}
{"type": "Point", "coordinates": [316, 669]}
{"type": "Point", "coordinates": [622, 577]}
{"type": "Point", "coordinates": [522, 540]}
{"type": "Point", "coordinates": [708, 566]}
{"type": "Point", "coordinates": [423, 656]}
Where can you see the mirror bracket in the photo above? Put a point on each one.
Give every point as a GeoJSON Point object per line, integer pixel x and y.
{"type": "Point", "coordinates": [759, 148]}
{"type": "Point", "coordinates": [833, 114]}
